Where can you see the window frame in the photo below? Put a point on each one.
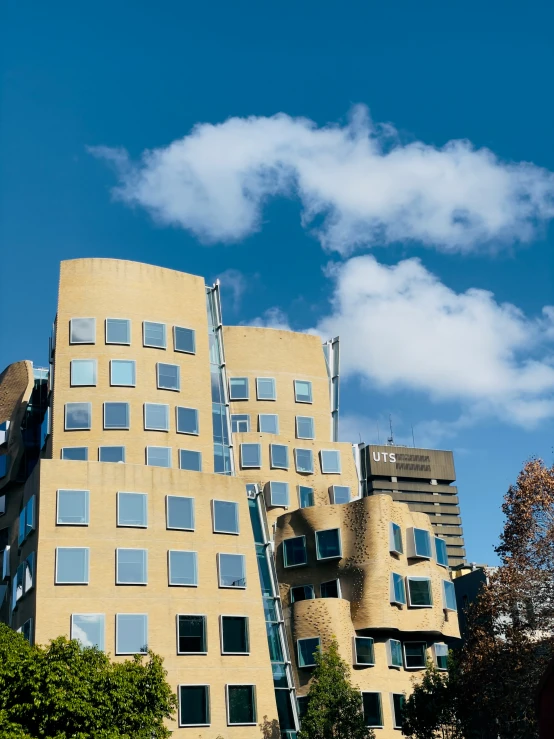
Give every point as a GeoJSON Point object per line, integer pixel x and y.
{"type": "Point", "coordinates": [179, 584]}
{"type": "Point", "coordinates": [272, 503]}
{"type": "Point", "coordinates": [78, 428]}
{"type": "Point", "coordinates": [355, 651]}
{"type": "Point", "coordinates": [222, 531]}
{"type": "Point", "coordinates": [390, 658]}
{"type": "Point", "coordinates": [306, 638]}
{"type": "Point", "coordinates": [148, 427]}
{"type": "Point", "coordinates": [396, 724]}
{"type": "Point", "coordinates": [412, 552]}
{"type": "Point", "coordinates": [204, 617]}
{"type": "Point", "coordinates": [321, 461]}
{"type": "Point", "coordinates": [254, 704]}
{"type": "Point", "coordinates": [120, 525]}
{"type": "Point", "coordinates": [117, 629]}
{"type": "Point", "coordinates": [145, 565]}
{"type": "Point", "coordinates": [198, 456]}
{"type": "Point", "coordinates": [333, 496]}
{"type": "Point", "coordinates": [448, 585]}
{"type": "Point", "coordinates": [179, 528]}
{"type": "Point", "coordinates": [123, 384]}
{"type": "Point", "coordinates": [233, 397]}
{"type": "Point", "coordinates": [245, 419]}
{"type": "Point", "coordinates": [116, 428]}
{"type": "Point", "coordinates": [294, 587]}
{"type": "Point", "coordinates": [393, 548]}
{"type": "Point", "coordinates": [118, 343]}
{"type": "Point", "coordinates": [436, 655]}
{"type": "Point", "coordinates": [438, 557]}
{"type": "Point", "coordinates": [393, 599]}
{"type": "Point", "coordinates": [101, 615]}
{"type": "Point", "coordinates": [87, 506]}
{"type": "Point", "coordinates": [247, 629]}
{"type": "Point", "coordinates": [207, 694]}
{"type": "Point", "coordinates": [300, 564]}
{"type": "Point", "coordinates": [164, 387]}
{"type": "Point", "coordinates": [307, 402]}
{"type": "Point", "coordinates": [73, 582]}
{"type": "Point", "coordinates": [250, 466]}
{"type": "Point", "coordinates": [418, 578]}
{"type": "Point", "coordinates": [274, 386]}
{"type": "Point", "coordinates": [324, 559]}
{"type": "Point", "coordinates": [380, 725]}
{"type": "Point", "coordinates": [271, 461]}
{"type": "Point", "coordinates": [82, 318]}
{"type": "Point", "coordinates": [68, 459]}
{"type": "Point", "coordinates": [268, 415]}
{"type": "Point", "coordinates": [231, 554]}
{"type": "Point", "coordinates": [326, 582]}
{"type": "Point", "coordinates": [154, 346]}
{"type": "Point", "coordinates": [418, 667]}
{"type": "Point", "coordinates": [112, 446]}
{"type": "Point", "coordinates": [83, 360]}
{"type": "Point", "coordinates": [186, 408]}
{"type": "Point", "coordinates": [170, 454]}
{"type": "Point", "coordinates": [184, 351]}
{"type": "Point", "coordinates": [312, 419]}
{"type": "Point", "coordinates": [296, 466]}
{"type": "Point", "coordinates": [299, 491]}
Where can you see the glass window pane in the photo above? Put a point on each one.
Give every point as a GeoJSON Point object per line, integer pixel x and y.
{"type": "Point", "coordinates": [422, 543]}
{"type": "Point", "coordinates": [279, 454]}
{"type": "Point", "coordinates": [183, 568]}
{"type": "Point", "coordinates": [268, 423]}
{"type": "Point", "coordinates": [82, 331]}
{"type": "Point", "coordinates": [132, 566]}
{"type": "Point", "coordinates": [330, 461]}
{"type": "Point", "coordinates": [240, 423]}
{"type": "Point", "coordinates": [71, 565]}
{"type": "Point", "coordinates": [328, 544]}
{"type": "Point", "coordinates": [158, 456]}
{"type": "Point", "coordinates": [398, 701]}
{"type": "Point", "coordinates": [373, 714]}
{"type": "Point", "coordinates": [449, 595]}
{"type": "Point", "coordinates": [238, 388]}
{"type": "Point", "coordinates": [83, 372]}
{"type": "Point", "coordinates": [154, 334]}
{"type": "Point", "coordinates": [77, 416]}
{"type": "Point", "coordinates": [226, 517]}
{"type": "Point", "coordinates": [194, 705]}
{"type": "Point", "coordinates": [169, 376]}
{"type": "Point", "coordinates": [306, 651]}
{"type": "Point", "coordinates": [250, 455]}
{"type": "Point", "coordinates": [77, 453]}
{"type": "Point", "coordinates": [304, 460]}
{"type": "Point", "coordinates": [303, 391]}
{"type": "Point", "coordinates": [123, 372]}
{"type": "Point", "coordinates": [180, 512]}
{"type": "Point", "coordinates": [442, 554]}
{"type": "Point", "coordinates": [73, 507]}
{"type": "Point", "coordinates": [234, 634]}
{"type": "Point", "coordinates": [302, 592]}
{"type": "Point", "coordinates": [189, 460]}
{"type": "Point", "coordinates": [156, 417]}
{"type": "Point", "coordinates": [330, 589]}
{"type": "Point", "coordinates": [364, 650]}
{"type": "Point", "coordinates": [184, 339]}
{"type": "Point", "coordinates": [232, 572]}
{"type": "Point", "coordinates": [398, 594]}
{"type": "Point", "coordinates": [415, 654]}
{"type": "Point", "coordinates": [116, 415]}
{"type": "Point", "coordinates": [111, 454]}
{"type": "Point", "coordinates": [242, 704]}
{"type": "Point", "coordinates": [340, 494]}
{"type": "Point", "coordinates": [132, 509]}
{"type": "Point", "coordinates": [420, 591]}
{"type": "Point", "coordinates": [118, 331]}
{"type": "Point", "coordinates": [396, 538]}
{"type": "Point", "coordinates": [279, 493]}
{"type": "Point", "coordinates": [306, 496]}
{"type": "Point", "coordinates": [187, 420]}
{"type": "Point", "coordinates": [294, 551]}
{"type": "Point", "coordinates": [131, 633]}
{"type": "Point", "coordinates": [88, 629]}
{"type": "Point", "coordinates": [304, 427]}
{"type": "Point", "coordinates": [265, 388]}
{"type": "Point", "coordinates": [395, 648]}
{"type": "Point", "coordinates": [191, 634]}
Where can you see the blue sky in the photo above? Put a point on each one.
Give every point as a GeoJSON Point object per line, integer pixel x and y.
{"type": "Point", "coordinates": [137, 76]}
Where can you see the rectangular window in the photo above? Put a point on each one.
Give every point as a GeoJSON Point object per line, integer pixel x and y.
{"type": "Point", "coordinates": [153, 334]}
{"type": "Point", "coordinates": [82, 331]}
{"type": "Point", "coordinates": [420, 593]}
{"type": "Point", "coordinates": [194, 705]}
{"type": "Point", "coordinates": [250, 455]}
{"type": "Point", "coordinates": [73, 508]}
{"type": "Point", "coordinates": [158, 456]}
{"type": "Point", "coordinates": [330, 589]}
{"type": "Point", "coordinates": [156, 417]}
{"type": "Point", "coordinates": [363, 650]}
{"type": "Point", "coordinates": [88, 629]}
{"type": "Point", "coordinates": [265, 388]}
{"type": "Point", "coordinates": [419, 543]}
{"type": "Point", "coordinates": [27, 519]}
{"type": "Point", "coordinates": [279, 456]}
{"type": "Point", "coordinates": [394, 653]}
{"type": "Point", "coordinates": [340, 494]}
{"type": "Point", "coordinates": [131, 633]}
{"type": "Point", "coordinates": [78, 416]}
{"type": "Point", "coordinates": [305, 496]}
{"type": "Point", "coordinates": [29, 572]}
{"type": "Point", "coordinates": [415, 655]}
{"type": "Point", "coordinates": [180, 512]}
{"type": "Point", "coordinates": [373, 711]}
{"type": "Point", "coordinates": [268, 423]}
{"type": "Point", "coordinates": [183, 568]}
{"type": "Point", "coordinates": [302, 592]}
{"type": "Point", "coordinates": [441, 552]}
{"type": "Point", "coordinates": [187, 420]}
{"type": "Point", "coordinates": [76, 453]}
{"type": "Point", "coordinates": [232, 570]}
{"type": "Point", "coordinates": [132, 509]}
{"type": "Point", "coordinates": [397, 702]}
{"type": "Point", "coordinates": [441, 656]}
{"type": "Point", "coordinates": [191, 635]}
{"type": "Point", "coordinates": [241, 705]}
{"type": "Point", "coordinates": [302, 705]}
{"type": "Point", "coordinates": [116, 415]}
{"type": "Point", "coordinates": [238, 388]}
{"type": "Point", "coordinates": [72, 564]}
{"type": "Point", "coordinates": [240, 423]}
{"type": "Point", "coordinates": [395, 539]}
{"type": "Point", "coordinates": [226, 517]}
{"type": "Point", "coordinates": [169, 376]}
{"type": "Point", "coordinates": [279, 494]}
{"type": "Point", "coordinates": [83, 372]}
{"type": "Point", "coordinates": [306, 650]}
{"type": "Point", "coordinates": [397, 589]}
{"type": "Point", "coordinates": [303, 391]}
{"type": "Point", "coordinates": [118, 331]}
{"type": "Point", "coordinates": [111, 454]}
{"type": "Point", "coordinates": [123, 373]}
{"type": "Point", "coordinates": [328, 544]}
{"type": "Point", "coordinates": [304, 460]}
{"type": "Point", "coordinates": [449, 596]}
{"type": "Point", "coordinates": [330, 461]}
{"type": "Point", "coordinates": [184, 340]}
{"type": "Point", "coordinates": [131, 566]}
{"type": "Point", "coordinates": [294, 551]}
{"type": "Point", "coordinates": [234, 635]}
{"type": "Point", "coordinates": [305, 427]}
{"type": "Point", "coordinates": [189, 460]}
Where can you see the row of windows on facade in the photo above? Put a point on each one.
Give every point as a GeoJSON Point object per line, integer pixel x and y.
{"type": "Point", "coordinates": [118, 331]}
{"type": "Point", "coordinates": [372, 706]}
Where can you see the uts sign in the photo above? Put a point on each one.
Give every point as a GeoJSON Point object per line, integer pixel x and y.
{"type": "Point", "coordinates": [387, 456]}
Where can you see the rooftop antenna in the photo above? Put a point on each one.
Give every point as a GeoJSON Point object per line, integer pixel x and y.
{"type": "Point", "coordinates": [413, 437]}
{"type": "Point", "coordinates": [390, 440]}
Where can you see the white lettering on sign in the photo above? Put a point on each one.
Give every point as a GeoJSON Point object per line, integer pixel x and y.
{"type": "Point", "coordinates": [391, 456]}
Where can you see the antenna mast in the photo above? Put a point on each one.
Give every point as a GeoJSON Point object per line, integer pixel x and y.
{"type": "Point", "coordinates": [390, 440]}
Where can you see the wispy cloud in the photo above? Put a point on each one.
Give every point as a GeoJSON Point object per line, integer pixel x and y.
{"type": "Point", "coordinates": [233, 283]}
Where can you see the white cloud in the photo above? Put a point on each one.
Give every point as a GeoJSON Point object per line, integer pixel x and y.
{"type": "Point", "coordinates": [235, 283]}
{"type": "Point", "coordinates": [360, 180]}
{"type": "Point", "coordinates": [272, 318]}
{"type": "Point", "coordinates": [429, 434]}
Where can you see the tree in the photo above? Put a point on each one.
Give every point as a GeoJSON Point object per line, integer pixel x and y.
{"type": "Point", "coordinates": [334, 707]}
{"type": "Point", "coordinates": [64, 691]}
{"type": "Point", "coordinates": [431, 709]}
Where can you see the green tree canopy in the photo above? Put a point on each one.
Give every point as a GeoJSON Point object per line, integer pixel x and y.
{"type": "Point", "coordinates": [430, 712]}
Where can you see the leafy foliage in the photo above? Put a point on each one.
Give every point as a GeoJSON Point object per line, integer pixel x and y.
{"type": "Point", "coordinates": [65, 691]}
{"type": "Point", "coordinates": [431, 709]}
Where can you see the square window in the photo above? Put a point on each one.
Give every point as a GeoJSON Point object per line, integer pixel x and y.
{"type": "Point", "coordinates": [238, 388]}
{"type": "Point", "coordinates": [184, 340]}
{"type": "Point", "coordinates": [415, 655]}
{"type": "Point", "coordinates": [180, 512]}
{"type": "Point", "coordinates": [183, 568]}
{"type": "Point", "coordinates": [132, 509]}
{"type": "Point", "coordinates": [294, 551]}
{"type": "Point", "coordinates": [76, 453]}
{"type": "Point", "coordinates": [82, 331]}
{"type": "Point", "coordinates": [241, 705]}
{"type": "Point", "coordinates": [419, 543]}
{"type": "Point", "coordinates": [395, 539]}
{"type": "Point", "coordinates": [303, 391]}
{"type": "Point", "coordinates": [305, 496]}
{"type": "Point", "coordinates": [306, 650]}
{"type": "Point", "coordinates": [397, 589]}
{"type": "Point", "coordinates": [72, 565]}
{"type": "Point", "coordinates": [302, 592]}
{"type": "Point", "coordinates": [398, 700]}
{"type": "Point", "coordinates": [189, 460]}
{"type": "Point", "coordinates": [116, 415]}
{"type": "Point", "coordinates": [131, 566]}
{"type": "Point", "coordinates": [234, 635]}
{"type": "Point", "coordinates": [83, 372]}
{"type": "Point", "coordinates": [419, 592]}
{"type": "Point", "coordinates": [194, 705]}
{"type": "Point", "coordinates": [363, 650]}
{"type": "Point", "coordinates": [449, 596]}
{"type": "Point", "coordinates": [305, 427]}
{"type": "Point", "coordinates": [111, 454]}
{"type": "Point", "coordinates": [340, 494]}
{"type": "Point", "coordinates": [330, 461]}
{"type": "Point", "coordinates": [118, 331]}
{"type": "Point", "coordinates": [328, 544]}
{"type": "Point", "coordinates": [250, 455]}
{"type": "Point", "coordinates": [330, 589]}
{"type": "Point", "coordinates": [153, 334]}
{"type": "Point", "coordinates": [441, 552]}
{"type": "Point", "coordinates": [240, 423]}
{"type": "Point", "coordinates": [268, 423]}
{"type": "Point", "coordinates": [232, 570]}
{"type": "Point", "coordinates": [226, 517]}
{"type": "Point", "coordinates": [169, 376]}
{"type": "Point", "coordinates": [123, 373]}
{"type": "Point", "coordinates": [156, 417]}
{"type": "Point", "coordinates": [78, 416]}
{"type": "Point", "coordinates": [88, 629]}
{"type": "Point", "coordinates": [187, 420]}
{"type": "Point", "coordinates": [373, 713]}
{"type": "Point", "coordinates": [304, 460]}
{"type": "Point", "coordinates": [441, 656]}
{"type": "Point", "coordinates": [265, 388]}
{"type": "Point", "coordinates": [394, 653]}
{"type": "Point", "coordinates": [131, 633]}
{"type": "Point", "coordinates": [158, 456]}
{"type": "Point", "coordinates": [191, 635]}
{"type": "Point", "coordinates": [279, 456]}
{"type": "Point", "coordinates": [73, 508]}
{"type": "Point", "coordinates": [279, 494]}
